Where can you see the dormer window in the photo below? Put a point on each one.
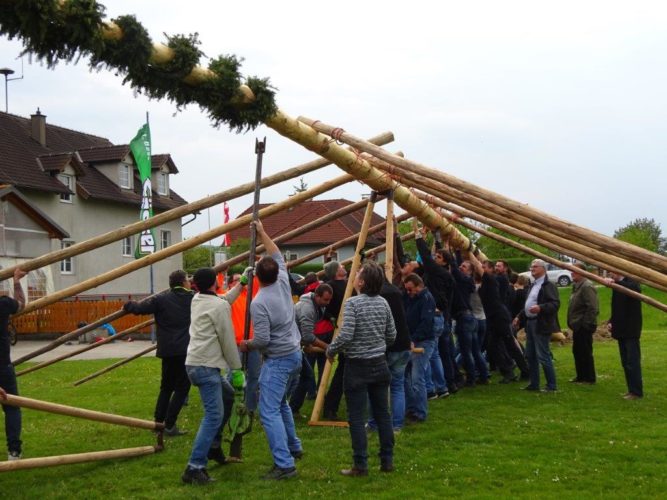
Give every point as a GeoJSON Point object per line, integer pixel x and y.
{"type": "Point", "coordinates": [68, 181]}
{"type": "Point", "coordinates": [125, 176]}
{"type": "Point", "coordinates": [163, 183]}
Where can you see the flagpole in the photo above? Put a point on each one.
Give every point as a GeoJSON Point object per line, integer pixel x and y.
{"type": "Point", "coordinates": [150, 268]}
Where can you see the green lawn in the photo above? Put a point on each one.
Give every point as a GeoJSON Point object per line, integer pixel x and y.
{"type": "Point", "coordinates": [492, 441]}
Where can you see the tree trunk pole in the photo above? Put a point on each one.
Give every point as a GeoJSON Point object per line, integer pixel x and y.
{"type": "Point", "coordinates": [356, 261]}
{"type": "Point", "coordinates": [389, 254]}
{"type": "Point", "coordinates": [183, 245]}
{"type": "Point", "coordinates": [569, 230]}
{"type": "Point", "coordinates": [87, 348]}
{"type": "Point", "coordinates": [175, 213]}
{"type": "Point", "coordinates": [78, 458]}
{"type": "Point", "coordinates": [593, 277]}
{"type": "Point", "coordinates": [356, 165]}
{"type": "Point", "coordinates": [72, 411]}
{"type": "Point", "coordinates": [115, 365]}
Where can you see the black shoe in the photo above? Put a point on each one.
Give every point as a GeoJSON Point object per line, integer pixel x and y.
{"type": "Point", "coordinates": [354, 472]}
{"type": "Point", "coordinates": [431, 396]}
{"type": "Point", "coordinates": [174, 431]}
{"type": "Point", "coordinates": [196, 476]}
{"type": "Point", "coordinates": [387, 466]}
{"type": "Point", "coordinates": [530, 388]}
{"type": "Point", "coordinates": [549, 390]}
{"type": "Point", "coordinates": [442, 394]}
{"type": "Point", "coordinates": [277, 473]}
{"type": "Point", "coordinates": [524, 376]}
{"type": "Point", "coordinates": [483, 381]}
{"type": "Point", "coordinates": [330, 416]}
{"type": "Point", "coordinates": [508, 379]}
{"type": "Point", "coordinates": [413, 419]}
{"type": "Point", "coordinates": [217, 455]}
{"type": "Point", "coordinates": [298, 455]}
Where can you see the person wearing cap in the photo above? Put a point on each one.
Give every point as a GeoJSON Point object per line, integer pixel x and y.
{"type": "Point", "coordinates": [277, 337]}
{"type": "Point", "coordinates": [582, 315]}
{"type": "Point", "coordinates": [625, 326]}
{"type": "Point", "coordinates": [211, 353]}
{"type": "Point", "coordinates": [541, 314]}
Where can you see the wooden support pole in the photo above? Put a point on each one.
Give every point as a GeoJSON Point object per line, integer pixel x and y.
{"type": "Point", "coordinates": [78, 458]}
{"type": "Point", "coordinates": [356, 165]}
{"type": "Point", "coordinates": [218, 268]}
{"type": "Point", "coordinates": [593, 277]}
{"type": "Point", "coordinates": [567, 229]}
{"type": "Point", "coordinates": [182, 246]}
{"type": "Point", "coordinates": [555, 243]}
{"type": "Point", "coordinates": [72, 411]}
{"type": "Point", "coordinates": [115, 365]}
{"type": "Point", "coordinates": [175, 213]}
{"type": "Point", "coordinates": [87, 348]}
{"type": "Point", "coordinates": [389, 254]}
{"type": "Point", "coordinates": [541, 236]}
{"type": "Point", "coordinates": [356, 262]}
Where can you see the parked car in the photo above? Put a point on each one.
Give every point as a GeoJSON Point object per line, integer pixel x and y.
{"type": "Point", "coordinates": [562, 277]}
{"type": "Point", "coordinates": [296, 277]}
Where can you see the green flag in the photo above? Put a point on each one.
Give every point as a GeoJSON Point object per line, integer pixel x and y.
{"type": "Point", "coordinates": [141, 149]}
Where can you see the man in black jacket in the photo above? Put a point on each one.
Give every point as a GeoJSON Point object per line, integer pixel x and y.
{"type": "Point", "coordinates": [626, 327]}
{"type": "Point", "coordinates": [541, 315]}
{"type": "Point", "coordinates": [171, 311]}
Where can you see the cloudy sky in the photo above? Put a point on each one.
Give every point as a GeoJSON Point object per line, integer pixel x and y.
{"type": "Point", "coordinates": [557, 104]}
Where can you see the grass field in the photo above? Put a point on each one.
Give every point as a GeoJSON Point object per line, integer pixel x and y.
{"type": "Point", "coordinates": [488, 442]}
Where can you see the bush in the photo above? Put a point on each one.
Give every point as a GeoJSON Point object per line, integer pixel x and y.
{"type": "Point", "coordinates": [518, 264]}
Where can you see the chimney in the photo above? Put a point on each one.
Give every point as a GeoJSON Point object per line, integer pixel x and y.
{"type": "Point", "coordinates": [38, 127]}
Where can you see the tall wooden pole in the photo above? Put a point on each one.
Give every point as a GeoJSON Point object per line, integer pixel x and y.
{"type": "Point", "coordinates": [175, 213]}
{"type": "Point", "coordinates": [389, 254]}
{"type": "Point", "coordinates": [620, 248]}
{"type": "Point", "coordinates": [356, 261]}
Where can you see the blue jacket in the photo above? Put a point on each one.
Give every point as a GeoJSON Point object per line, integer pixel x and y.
{"type": "Point", "coordinates": [419, 313]}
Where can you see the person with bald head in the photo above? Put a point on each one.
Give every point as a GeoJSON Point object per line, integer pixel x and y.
{"type": "Point", "coordinates": [541, 316]}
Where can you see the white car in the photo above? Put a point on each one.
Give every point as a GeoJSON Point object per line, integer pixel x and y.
{"type": "Point", "coordinates": [562, 277]}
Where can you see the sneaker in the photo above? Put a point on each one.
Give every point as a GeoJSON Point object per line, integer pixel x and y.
{"type": "Point", "coordinates": [549, 390]}
{"type": "Point", "coordinates": [196, 476]}
{"type": "Point", "coordinates": [574, 380]}
{"type": "Point", "coordinates": [174, 431]}
{"type": "Point", "coordinates": [397, 430]}
{"type": "Point", "coordinates": [354, 472]}
{"type": "Point", "coordinates": [442, 394]}
{"type": "Point", "coordinates": [218, 455]}
{"type": "Point", "coordinates": [431, 396]}
{"type": "Point", "coordinates": [631, 396]}
{"type": "Point", "coordinates": [508, 379]}
{"type": "Point", "coordinates": [298, 455]}
{"type": "Point", "coordinates": [530, 388]}
{"type": "Point", "coordinates": [14, 455]}
{"type": "Point", "coordinates": [276, 473]}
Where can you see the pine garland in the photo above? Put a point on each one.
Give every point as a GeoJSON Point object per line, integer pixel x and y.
{"type": "Point", "coordinates": [53, 32]}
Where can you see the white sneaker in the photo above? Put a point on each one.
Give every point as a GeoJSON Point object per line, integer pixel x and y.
{"type": "Point", "coordinates": [14, 455]}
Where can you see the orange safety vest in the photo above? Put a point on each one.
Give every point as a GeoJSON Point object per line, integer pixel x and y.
{"type": "Point", "coordinates": [238, 311]}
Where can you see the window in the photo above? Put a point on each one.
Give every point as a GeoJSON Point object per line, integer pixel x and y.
{"type": "Point", "coordinates": [330, 256]}
{"type": "Point", "coordinates": [163, 183]}
{"type": "Point", "coordinates": [68, 180]}
{"type": "Point", "coordinates": [127, 246]}
{"type": "Point", "coordinates": [289, 255]}
{"type": "Point", "coordinates": [67, 265]}
{"type": "Point", "coordinates": [125, 177]}
{"type": "Point", "coordinates": [165, 239]}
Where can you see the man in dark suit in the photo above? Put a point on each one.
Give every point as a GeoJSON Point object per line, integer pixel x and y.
{"type": "Point", "coordinates": [541, 315]}
{"type": "Point", "coordinates": [625, 326]}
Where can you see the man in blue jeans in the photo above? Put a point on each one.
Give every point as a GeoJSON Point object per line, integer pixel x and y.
{"type": "Point", "coordinates": [419, 313]}
{"type": "Point", "coordinates": [9, 306]}
{"type": "Point", "coordinates": [277, 337]}
{"type": "Point", "coordinates": [211, 354]}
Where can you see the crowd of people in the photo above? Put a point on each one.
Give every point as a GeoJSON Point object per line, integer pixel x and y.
{"type": "Point", "coordinates": [443, 323]}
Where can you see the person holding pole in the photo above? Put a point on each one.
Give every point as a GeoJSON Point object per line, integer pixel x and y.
{"type": "Point", "coordinates": [368, 329]}
{"type": "Point", "coordinates": [9, 306]}
{"type": "Point", "coordinates": [582, 318]}
{"type": "Point", "coordinates": [211, 354]}
{"type": "Point", "coordinates": [277, 336]}
{"type": "Point", "coordinates": [171, 311]}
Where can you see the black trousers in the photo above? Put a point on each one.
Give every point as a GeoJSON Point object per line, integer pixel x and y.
{"type": "Point", "coordinates": [335, 393]}
{"type": "Point", "coordinates": [582, 350]}
{"type": "Point", "coordinates": [496, 331]}
{"type": "Point", "coordinates": [367, 380]}
{"type": "Point", "coordinates": [174, 388]}
{"type": "Point", "coordinates": [631, 359]}
{"type": "Point", "coordinates": [515, 350]}
{"type": "Point", "coordinates": [306, 381]}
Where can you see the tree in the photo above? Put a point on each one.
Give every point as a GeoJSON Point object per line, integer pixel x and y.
{"type": "Point", "coordinates": [497, 250]}
{"type": "Point", "coordinates": [300, 188]}
{"type": "Point", "coordinates": [645, 233]}
{"type": "Point", "coordinates": [198, 257]}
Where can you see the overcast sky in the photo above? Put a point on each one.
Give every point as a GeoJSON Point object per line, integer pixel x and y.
{"type": "Point", "coordinates": [561, 105]}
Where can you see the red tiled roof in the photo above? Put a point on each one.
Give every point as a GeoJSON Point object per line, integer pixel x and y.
{"type": "Point", "coordinates": [25, 163]}
{"type": "Point", "coordinates": [308, 211]}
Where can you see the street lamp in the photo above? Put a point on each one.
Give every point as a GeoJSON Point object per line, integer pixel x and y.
{"type": "Point", "coordinates": [7, 72]}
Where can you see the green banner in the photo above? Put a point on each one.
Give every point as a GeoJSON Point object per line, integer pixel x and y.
{"type": "Point", "coordinates": [141, 149]}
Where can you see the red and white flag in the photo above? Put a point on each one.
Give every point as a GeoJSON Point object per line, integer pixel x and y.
{"type": "Point", "coordinates": [226, 238]}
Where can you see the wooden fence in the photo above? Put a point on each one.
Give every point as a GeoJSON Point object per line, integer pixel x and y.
{"type": "Point", "coordinates": [63, 317]}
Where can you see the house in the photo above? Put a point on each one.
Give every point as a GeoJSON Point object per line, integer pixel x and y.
{"type": "Point", "coordinates": [59, 187]}
{"type": "Point", "coordinates": [316, 239]}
